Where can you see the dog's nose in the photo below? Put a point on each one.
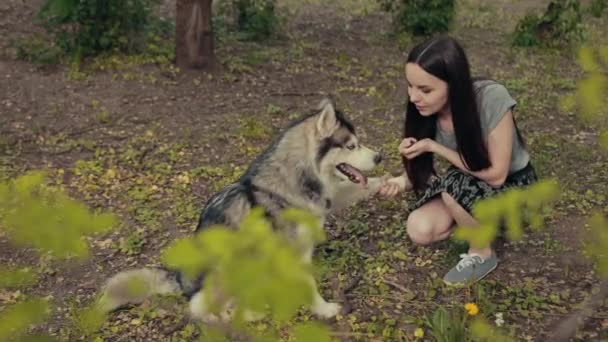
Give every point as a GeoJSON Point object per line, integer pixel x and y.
{"type": "Point", "coordinates": [377, 158]}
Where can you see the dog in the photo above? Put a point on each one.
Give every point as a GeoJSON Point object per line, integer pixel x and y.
{"type": "Point", "coordinates": [317, 164]}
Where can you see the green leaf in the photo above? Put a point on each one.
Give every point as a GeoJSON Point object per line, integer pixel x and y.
{"type": "Point", "coordinates": [89, 319]}
{"type": "Point", "coordinates": [508, 207]}
{"type": "Point", "coordinates": [276, 276]}
{"type": "Point", "coordinates": [479, 237]}
{"type": "Point", "coordinates": [307, 219]}
{"type": "Point", "coordinates": [590, 91]}
{"type": "Point", "coordinates": [211, 334]}
{"type": "Point", "coordinates": [483, 331]}
{"type": "Point", "coordinates": [604, 140]}
{"type": "Point", "coordinates": [60, 9]}
{"type": "Point", "coordinates": [311, 332]}
{"type": "Point", "coordinates": [45, 217]}
{"type": "Point", "coordinates": [19, 278]}
{"type": "Point", "coordinates": [597, 243]}
{"type": "Point", "coordinates": [604, 54]}
{"type": "Point", "coordinates": [17, 318]}
{"type": "Point", "coordinates": [185, 255]}
{"type": "Point", "coordinates": [586, 59]}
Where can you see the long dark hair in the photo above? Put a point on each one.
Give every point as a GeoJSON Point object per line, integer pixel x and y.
{"type": "Point", "coordinates": [445, 59]}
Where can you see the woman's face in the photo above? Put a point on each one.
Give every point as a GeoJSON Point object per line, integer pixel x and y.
{"type": "Point", "coordinates": [428, 93]}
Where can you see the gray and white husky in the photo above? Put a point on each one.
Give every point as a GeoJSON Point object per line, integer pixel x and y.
{"type": "Point", "coordinates": [317, 164]}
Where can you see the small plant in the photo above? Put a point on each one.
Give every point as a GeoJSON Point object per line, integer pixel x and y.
{"type": "Point", "coordinates": [37, 50]}
{"type": "Point", "coordinates": [421, 17]}
{"type": "Point", "coordinates": [251, 19]}
{"type": "Point", "coordinates": [257, 19]}
{"type": "Point", "coordinates": [251, 128]}
{"type": "Point", "coordinates": [597, 7]}
{"type": "Point", "coordinates": [88, 27]}
{"type": "Point", "coordinates": [103, 116]}
{"type": "Point", "coordinates": [447, 326]}
{"type": "Point", "coordinates": [561, 22]}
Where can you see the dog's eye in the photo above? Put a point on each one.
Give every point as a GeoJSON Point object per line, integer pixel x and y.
{"type": "Point", "coordinates": [351, 147]}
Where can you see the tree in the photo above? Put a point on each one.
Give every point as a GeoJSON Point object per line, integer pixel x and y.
{"type": "Point", "coordinates": [194, 35]}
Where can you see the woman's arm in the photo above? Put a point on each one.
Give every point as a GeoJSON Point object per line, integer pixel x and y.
{"type": "Point", "coordinates": [500, 145]}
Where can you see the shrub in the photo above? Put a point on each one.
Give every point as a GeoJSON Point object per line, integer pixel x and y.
{"type": "Point", "coordinates": [250, 19]}
{"type": "Point", "coordinates": [87, 27]}
{"type": "Point", "coordinates": [421, 17]}
{"type": "Point", "coordinates": [561, 22]}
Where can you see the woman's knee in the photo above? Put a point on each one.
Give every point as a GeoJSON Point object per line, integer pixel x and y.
{"type": "Point", "coordinates": [420, 228]}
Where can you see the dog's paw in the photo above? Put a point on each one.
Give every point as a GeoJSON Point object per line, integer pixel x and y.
{"type": "Point", "coordinates": [326, 310]}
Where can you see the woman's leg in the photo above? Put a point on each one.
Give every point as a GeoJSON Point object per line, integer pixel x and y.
{"type": "Point", "coordinates": [464, 219]}
{"type": "Point", "coordinates": [478, 262]}
{"type": "Point", "coordinates": [429, 223]}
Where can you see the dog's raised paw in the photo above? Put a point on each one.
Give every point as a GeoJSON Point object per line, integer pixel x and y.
{"type": "Point", "coordinates": [327, 310]}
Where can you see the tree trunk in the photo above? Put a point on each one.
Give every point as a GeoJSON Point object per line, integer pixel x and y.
{"type": "Point", "coordinates": [194, 35]}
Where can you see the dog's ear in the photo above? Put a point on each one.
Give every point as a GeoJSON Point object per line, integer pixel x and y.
{"type": "Point", "coordinates": [327, 122]}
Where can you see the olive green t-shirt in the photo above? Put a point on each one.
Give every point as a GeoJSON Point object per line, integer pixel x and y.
{"type": "Point", "coordinates": [493, 101]}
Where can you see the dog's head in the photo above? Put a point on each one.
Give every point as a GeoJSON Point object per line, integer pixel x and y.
{"type": "Point", "coordinates": [339, 153]}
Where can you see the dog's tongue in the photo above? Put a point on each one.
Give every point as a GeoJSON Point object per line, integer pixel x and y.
{"type": "Point", "coordinates": [354, 175]}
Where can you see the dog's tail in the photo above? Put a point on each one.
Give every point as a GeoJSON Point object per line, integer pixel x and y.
{"type": "Point", "coordinates": [135, 286]}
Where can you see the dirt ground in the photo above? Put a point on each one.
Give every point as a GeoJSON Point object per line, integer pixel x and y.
{"type": "Point", "coordinates": [172, 137]}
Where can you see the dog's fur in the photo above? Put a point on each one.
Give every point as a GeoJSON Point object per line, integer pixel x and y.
{"type": "Point", "coordinates": [302, 170]}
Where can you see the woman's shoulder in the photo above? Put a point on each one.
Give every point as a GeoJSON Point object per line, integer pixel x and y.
{"type": "Point", "coordinates": [490, 91]}
{"type": "Point", "coordinates": [486, 86]}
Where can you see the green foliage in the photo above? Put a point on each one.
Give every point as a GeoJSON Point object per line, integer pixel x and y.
{"type": "Point", "coordinates": [482, 331]}
{"type": "Point", "coordinates": [447, 326]}
{"type": "Point", "coordinates": [508, 208]}
{"type": "Point", "coordinates": [421, 17]}
{"type": "Point", "coordinates": [525, 32]}
{"type": "Point", "coordinates": [87, 27]}
{"type": "Point", "coordinates": [35, 214]}
{"type": "Point", "coordinates": [592, 90]}
{"type": "Point", "coordinates": [597, 243]}
{"type": "Point", "coordinates": [253, 128]}
{"type": "Point", "coordinates": [256, 18]}
{"type": "Point", "coordinates": [87, 320]}
{"type": "Point", "coordinates": [251, 19]}
{"type": "Point", "coordinates": [16, 319]}
{"type": "Point", "coordinates": [38, 50]}
{"type": "Point", "coordinates": [45, 217]}
{"type": "Point", "coordinates": [561, 22]}
{"type": "Point", "coordinates": [16, 278]}
{"type": "Point", "coordinates": [276, 275]}
{"type": "Point", "coordinates": [597, 7]}
{"type": "Point", "coordinates": [311, 332]}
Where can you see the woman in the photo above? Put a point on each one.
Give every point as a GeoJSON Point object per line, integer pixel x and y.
{"type": "Point", "coordinates": [471, 125]}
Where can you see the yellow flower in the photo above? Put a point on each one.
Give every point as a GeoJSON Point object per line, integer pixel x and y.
{"type": "Point", "coordinates": [419, 333]}
{"type": "Point", "coordinates": [471, 308]}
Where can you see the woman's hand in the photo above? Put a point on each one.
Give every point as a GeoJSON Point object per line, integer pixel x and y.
{"type": "Point", "coordinates": [392, 186]}
{"type": "Point", "coordinates": [410, 148]}
{"type": "Point", "coordinates": [405, 143]}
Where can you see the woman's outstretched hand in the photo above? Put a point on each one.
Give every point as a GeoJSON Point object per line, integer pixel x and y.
{"type": "Point", "coordinates": [393, 186]}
